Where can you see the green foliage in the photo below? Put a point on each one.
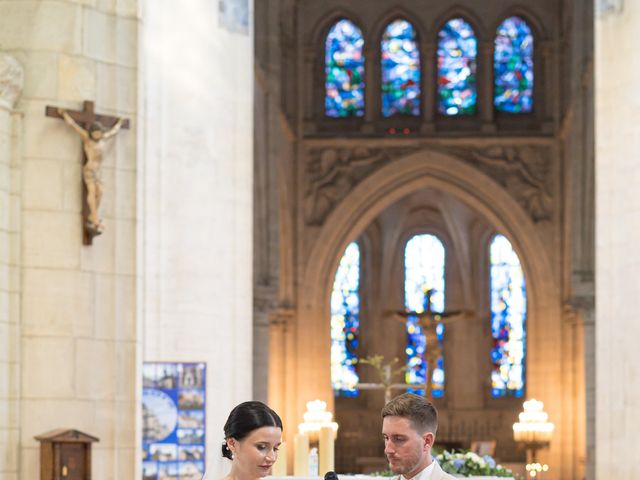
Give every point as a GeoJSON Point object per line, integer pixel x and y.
{"type": "Point", "coordinates": [470, 464]}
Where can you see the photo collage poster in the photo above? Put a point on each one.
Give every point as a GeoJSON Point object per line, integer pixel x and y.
{"type": "Point", "coordinates": [173, 421]}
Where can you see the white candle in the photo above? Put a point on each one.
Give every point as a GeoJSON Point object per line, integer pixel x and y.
{"type": "Point", "coordinates": [326, 462]}
{"type": "Point", "coordinates": [301, 458]}
{"type": "Point", "coordinates": [280, 467]}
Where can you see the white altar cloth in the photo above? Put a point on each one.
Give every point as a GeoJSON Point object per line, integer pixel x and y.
{"type": "Point", "coordinates": [369, 477]}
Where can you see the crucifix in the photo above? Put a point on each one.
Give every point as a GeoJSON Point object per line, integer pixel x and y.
{"type": "Point", "coordinates": [94, 129]}
{"type": "Point", "coordinates": [428, 320]}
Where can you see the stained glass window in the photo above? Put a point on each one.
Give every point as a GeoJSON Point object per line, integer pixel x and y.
{"type": "Point", "coordinates": [400, 70]}
{"type": "Point", "coordinates": [457, 52]}
{"type": "Point", "coordinates": [513, 66]}
{"type": "Point", "coordinates": [424, 287]}
{"type": "Point", "coordinates": [344, 69]}
{"type": "Point", "coordinates": [345, 309]}
{"type": "Point", "coordinates": [508, 314]}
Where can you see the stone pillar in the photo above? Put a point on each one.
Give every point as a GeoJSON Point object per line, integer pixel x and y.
{"type": "Point", "coordinates": [485, 85]}
{"type": "Point", "coordinates": [11, 83]}
{"type": "Point", "coordinates": [313, 75]}
{"type": "Point", "coordinates": [373, 81]}
{"type": "Point", "coordinates": [279, 322]}
{"type": "Point", "coordinates": [617, 233]}
{"type": "Point", "coordinates": [195, 199]}
{"type": "Point", "coordinates": [429, 97]}
{"type": "Point", "coordinates": [547, 81]}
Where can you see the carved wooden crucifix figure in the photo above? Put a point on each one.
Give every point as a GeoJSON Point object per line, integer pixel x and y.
{"type": "Point", "coordinates": [428, 321]}
{"type": "Point", "coordinates": [94, 129]}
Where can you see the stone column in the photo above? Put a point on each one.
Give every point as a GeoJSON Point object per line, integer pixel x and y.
{"type": "Point", "coordinates": [485, 85]}
{"type": "Point", "coordinates": [313, 79]}
{"type": "Point", "coordinates": [546, 81]}
{"type": "Point", "coordinates": [373, 80]}
{"type": "Point", "coordinates": [617, 136]}
{"type": "Point", "coordinates": [11, 83]}
{"type": "Point", "coordinates": [280, 321]}
{"type": "Point", "coordinates": [429, 97]}
{"type": "Point", "coordinates": [195, 197]}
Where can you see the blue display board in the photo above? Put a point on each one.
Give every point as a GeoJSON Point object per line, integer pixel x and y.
{"type": "Point", "coordinates": [173, 421]}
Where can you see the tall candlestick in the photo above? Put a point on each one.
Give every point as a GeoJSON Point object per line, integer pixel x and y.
{"type": "Point", "coordinates": [301, 459]}
{"type": "Point", "coordinates": [280, 467]}
{"type": "Point", "coordinates": [326, 463]}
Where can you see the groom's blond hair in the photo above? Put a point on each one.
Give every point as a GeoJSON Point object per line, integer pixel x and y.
{"type": "Point", "coordinates": [420, 412]}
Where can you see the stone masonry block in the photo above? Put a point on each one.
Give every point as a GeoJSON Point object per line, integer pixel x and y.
{"type": "Point", "coordinates": [48, 367]}
{"type": "Point", "coordinates": [76, 78]}
{"type": "Point", "coordinates": [54, 26]}
{"type": "Point", "coordinates": [109, 38]}
{"type": "Point", "coordinates": [97, 382]}
{"type": "Point", "coordinates": [42, 184]}
{"type": "Point", "coordinates": [51, 239]}
{"type": "Point", "coordinates": [40, 73]}
{"type": "Point", "coordinates": [57, 302]}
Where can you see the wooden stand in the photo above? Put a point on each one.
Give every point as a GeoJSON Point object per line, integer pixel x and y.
{"type": "Point", "coordinates": [65, 454]}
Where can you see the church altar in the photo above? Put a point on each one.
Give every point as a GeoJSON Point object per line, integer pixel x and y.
{"type": "Point", "coordinates": [370, 477]}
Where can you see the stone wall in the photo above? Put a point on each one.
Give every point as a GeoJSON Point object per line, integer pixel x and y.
{"type": "Point", "coordinates": [617, 233]}
{"type": "Point", "coordinates": [76, 316]}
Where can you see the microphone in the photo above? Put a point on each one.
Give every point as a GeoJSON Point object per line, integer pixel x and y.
{"type": "Point", "coordinates": [331, 476]}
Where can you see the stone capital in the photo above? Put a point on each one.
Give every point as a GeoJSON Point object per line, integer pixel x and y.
{"type": "Point", "coordinates": [281, 316]}
{"type": "Point", "coordinates": [11, 80]}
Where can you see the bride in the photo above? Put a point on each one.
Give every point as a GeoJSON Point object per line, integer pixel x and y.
{"type": "Point", "coordinates": [253, 434]}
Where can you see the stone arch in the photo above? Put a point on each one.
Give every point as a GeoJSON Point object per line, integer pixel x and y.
{"type": "Point", "coordinates": [467, 15]}
{"type": "Point", "coordinates": [426, 168]}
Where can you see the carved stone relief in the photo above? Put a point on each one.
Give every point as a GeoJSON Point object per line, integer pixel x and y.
{"type": "Point", "coordinates": [331, 173]}
{"type": "Point", "coordinates": [524, 171]}
{"type": "Point", "coordinates": [11, 80]}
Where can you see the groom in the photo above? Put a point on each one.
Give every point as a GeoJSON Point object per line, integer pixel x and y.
{"type": "Point", "coordinates": [409, 424]}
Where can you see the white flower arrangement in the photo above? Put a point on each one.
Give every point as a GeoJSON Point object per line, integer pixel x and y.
{"type": "Point", "coordinates": [469, 464]}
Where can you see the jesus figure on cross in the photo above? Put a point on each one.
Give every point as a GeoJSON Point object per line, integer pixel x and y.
{"type": "Point", "coordinates": [93, 141]}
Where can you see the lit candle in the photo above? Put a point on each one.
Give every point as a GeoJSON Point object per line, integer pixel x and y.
{"type": "Point", "coordinates": [280, 467]}
{"type": "Point", "coordinates": [301, 459]}
{"type": "Point", "coordinates": [326, 461]}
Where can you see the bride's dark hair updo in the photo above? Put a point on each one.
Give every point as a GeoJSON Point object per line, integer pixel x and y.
{"type": "Point", "coordinates": [244, 419]}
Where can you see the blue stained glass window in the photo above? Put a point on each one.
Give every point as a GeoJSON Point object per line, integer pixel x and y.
{"type": "Point", "coordinates": [457, 52]}
{"type": "Point", "coordinates": [424, 262]}
{"type": "Point", "coordinates": [345, 309]}
{"type": "Point", "coordinates": [508, 315]}
{"type": "Point", "coordinates": [400, 70]}
{"type": "Point", "coordinates": [344, 69]}
{"type": "Point", "coordinates": [513, 67]}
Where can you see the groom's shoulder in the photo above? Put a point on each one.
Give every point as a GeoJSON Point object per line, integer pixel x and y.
{"type": "Point", "coordinates": [440, 474]}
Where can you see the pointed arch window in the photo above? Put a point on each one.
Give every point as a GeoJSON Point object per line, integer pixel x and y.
{"type": "Point", "coordinates": [345, 311]}
{"type": "Point", "coordinates": [457, 53]}
{"type": "Point", "coordinates": [344, 71]}
{"type": "Point", "coordinates": [508, 315]}
{"type": "Point", "coordinates": [513, 66]}
{"type": "Point", "coordinates": [424, 289]}
{"type": "Point", "coordinates": [400, 70]}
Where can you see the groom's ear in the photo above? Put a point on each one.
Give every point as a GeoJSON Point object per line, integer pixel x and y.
{"type": "Point", "coordinates": [428, 438]}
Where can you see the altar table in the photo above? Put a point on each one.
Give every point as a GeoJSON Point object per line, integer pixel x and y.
{"type": "Point", "coordinates": [370, 477]}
